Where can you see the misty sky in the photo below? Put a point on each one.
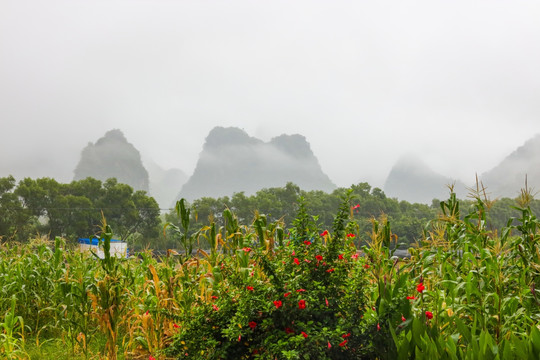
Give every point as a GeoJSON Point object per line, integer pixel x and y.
{"type": "Point", "coordinates": [456, 83]}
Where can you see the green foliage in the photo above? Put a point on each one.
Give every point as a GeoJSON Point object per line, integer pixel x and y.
{"type": "Point", "coordinates": [468, 291]}
{"type": "Point", "coordinates": [74, 210]}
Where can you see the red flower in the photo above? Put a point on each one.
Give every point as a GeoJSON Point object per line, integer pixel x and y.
{"type": "Point", "coordinates": [330, 270]}
{"type": "Point", "coordinates": [307, 242]}
{"type": "Point", "coordinates": [366, 266]}
{"type": "Point", "coordinates": [346, 335]}
{"type": "Point", "coordinates": [215, 307]}
{"type": "Point", "coordinates": [403, 318]}
{"type": "Point", "coordinates": [304, 334]}
{"type": "Point", "coordinates": [293, 253]}
{"type": "Point", "coordinates": [329, 345]}
{"type": "Point", "coordinates": [151, 358]}
{"type": "Point", "coordinates": [252, 324]}
{"type": "Point", "coordinates": [318, 257]}
{"type": "Point", "coordinates": [239, 337]}
{"type": "Point", "coordinates": [302, 304]}
{"type": "Point", "coordinates": [288, 330]}
{"type": "Point", "coordinates": [246, 249]}
{"type": "Point", "coordinates": [354, 256]}
{"type": "Point", "coordinates": [340, 256]}
{"type": "Point", "coordinates": [343, 343]}
{"type": "Point", "coordinates": [356, 206]}
{"type": "Point", "coordinates": [278, 303]}
{"type": "Point", "coordinates": [250, 288]}
{"type": "Point", "coordinates": [326, 300]}
{"type": "Point", "coordinates": [308, 261]}
{"type": "Point", "coordinates": [351, 235]}
{"type": "Point", "coordinates": [300, 290]}
{"type": "Point", "coordinates": [420, 287]}
{"type": "Point", "coordinates": [378, 327]}
{"type": "Point", "coordinates": [429, 315]}
{"type": "Point", "coordinates": [287, 294]}
{"type": "Point", "coordinates": [411, 298]}
{"type": "Point", "coordinates": [296, 261]}
{"type": "Point", "coordinates": [214, 297]}
{"type": "Point", "coordinates": [324, 233]}
{"type": "Point", "coordinates": [176, 326]}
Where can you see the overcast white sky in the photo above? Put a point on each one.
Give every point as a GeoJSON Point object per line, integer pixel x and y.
{"type": "Point", "coordinates": [456, 83]}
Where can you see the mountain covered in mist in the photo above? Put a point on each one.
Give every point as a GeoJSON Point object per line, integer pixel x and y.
{"type": "Point", "coordinates": [232, 161]}
{"type": "Point", "coordinates": [412, 180]}
{"type": "Point", "coordinates": [113, 156]}
{"type": "Point", "coordinates": [164, 184]}
{"type": "Point", "coordinates": [507, 178]}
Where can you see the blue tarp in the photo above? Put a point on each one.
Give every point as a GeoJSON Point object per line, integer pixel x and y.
{"type": "Point", "coordinates": [95, 241]}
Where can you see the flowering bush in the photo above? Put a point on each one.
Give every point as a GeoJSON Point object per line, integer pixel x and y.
{"type": "Point", "coordinates": [308, 292]}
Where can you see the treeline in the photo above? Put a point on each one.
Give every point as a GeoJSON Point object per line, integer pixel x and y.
{"type": "Point", "coordinates": [46, 207]}
{"type": "Point", "coordinates": [49, 208]}
{"type": "Point", "coordinates": [407, 220]}
{"type": "Point", "coordinates": [282, 203]}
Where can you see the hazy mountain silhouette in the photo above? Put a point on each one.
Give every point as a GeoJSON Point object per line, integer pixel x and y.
{"type": "Point", "coordinates": [164, 184]}
{"type": "Point", "coordinates": [412, 180]}
{"type": "Point", "coordinates": [232, 161]}
{"type": "Point", "coordinates": [113, 156]}
{"type": "Point", "coordinates": [507, 178]}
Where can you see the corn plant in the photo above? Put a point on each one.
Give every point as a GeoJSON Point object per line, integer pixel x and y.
{"type": "Point", "coordinates": [12, 346]}
{"type": "Point", "coordinates": [109, 293]}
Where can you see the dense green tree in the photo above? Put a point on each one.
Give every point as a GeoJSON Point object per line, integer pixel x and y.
{"type": "Point", "coordinates": [77, 209]}
{"type": "Point", "coordinates": [129, 212]}
{"type": "Point", "coordinates": [15, 221]}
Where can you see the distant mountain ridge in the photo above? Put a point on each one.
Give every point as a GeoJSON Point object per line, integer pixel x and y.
{"type": "Point", "coordinates": [232, 161]}
{"type": "Point", "coordinates": [507, 178]}
{"type": "Point", "coordinates": [412, 180]}
{"type": "Point", "coordinates": [113, 156]}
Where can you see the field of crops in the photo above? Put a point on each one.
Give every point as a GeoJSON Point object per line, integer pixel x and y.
{"type": "Point", "coordinates": [266, 291]}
